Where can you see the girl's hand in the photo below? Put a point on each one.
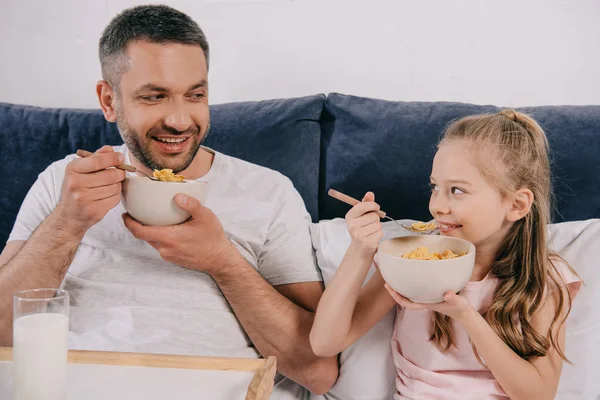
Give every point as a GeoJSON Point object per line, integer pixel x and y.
{"type": "Point", "coordinates": [364, 226]}
{"type": "Point", "coordinates": [455, 306]}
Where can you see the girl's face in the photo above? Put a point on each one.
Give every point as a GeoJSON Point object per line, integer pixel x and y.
{"type": "Point", "coordinates": [463, 203]}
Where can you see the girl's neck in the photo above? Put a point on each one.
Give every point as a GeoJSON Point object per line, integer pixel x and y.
{"type": "Point", "coordinates": [484, 260]}
{"type": "Point", "coordinates": [479, 273]}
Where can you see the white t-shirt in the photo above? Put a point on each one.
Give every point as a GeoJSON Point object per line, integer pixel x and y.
{"type": "Point", "coordinates": [125, 297]}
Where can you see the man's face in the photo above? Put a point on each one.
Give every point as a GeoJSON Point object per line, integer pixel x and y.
{"type": "Point", "coordinates": [162, 103]}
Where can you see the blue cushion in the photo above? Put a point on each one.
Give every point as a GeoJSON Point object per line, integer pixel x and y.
{"type": "Point", "coordinates": [32, 138]}
{"type": "Point", "coordinates": [388, 147]}
{"type": "Point", "coordinates": [284, 135]}
{"type": "Point", "coordinates": [279, 134]}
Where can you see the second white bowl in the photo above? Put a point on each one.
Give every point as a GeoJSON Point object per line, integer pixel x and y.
{"type": "Point", "coordinates": [425, 281]}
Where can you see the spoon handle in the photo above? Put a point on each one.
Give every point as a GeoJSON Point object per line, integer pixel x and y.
{"type": "Point", "coordinates": [125, 167]}
{"type": "Point", "coordinates": [350, 200]}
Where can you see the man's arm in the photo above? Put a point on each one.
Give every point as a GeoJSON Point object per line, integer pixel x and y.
{"type": "Point", "coordinates": [40, 262]}
{"type": "Point", "coordinates": [278, 321]}
{"type": "Point", "coordinates": [89, 190]}
{"type": "Point", "coordinates": [10, 250]}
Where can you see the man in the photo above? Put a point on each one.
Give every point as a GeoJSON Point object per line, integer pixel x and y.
{"type": "Point", "coordinates": [237, 279]}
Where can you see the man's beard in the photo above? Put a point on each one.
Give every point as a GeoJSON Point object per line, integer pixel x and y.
{"type": "Point", "coordinates": [133, 141]}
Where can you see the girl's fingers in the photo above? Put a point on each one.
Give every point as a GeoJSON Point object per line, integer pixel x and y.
{"type": "Point", "coordinates": [371, 229]}
{"type": "Point", "coordinates": [362, 208]}
{"type": "Point", "coordinates": [357, 227]}
{"type": "Point", "coordinates": [403, 301]}
{"type": "Point", "coordinates": [365, 220]}
{"type": "Point", "coordinates": [369, 196]}
{"type": "Point", "coordinates": [451, 297]}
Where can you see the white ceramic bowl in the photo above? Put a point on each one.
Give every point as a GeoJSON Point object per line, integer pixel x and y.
{"type": "Point", "coordinates": [425, 281]}
{"type": "Point", "coordinates": [153, 202]}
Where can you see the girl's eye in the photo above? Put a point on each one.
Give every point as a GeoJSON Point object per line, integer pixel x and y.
{"type": "Point", "coordinates": [456, 190]}
{"type": "Point", "coordinates": [434, 187]}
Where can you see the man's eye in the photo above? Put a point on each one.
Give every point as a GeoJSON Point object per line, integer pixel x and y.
{"type": "Point", "coordinates": [154, 97]}
{"type": "Point", "coordinates": [197, 96]}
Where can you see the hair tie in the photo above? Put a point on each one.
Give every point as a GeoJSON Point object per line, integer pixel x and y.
{"type": "Point", "coordinates": [510, 114]}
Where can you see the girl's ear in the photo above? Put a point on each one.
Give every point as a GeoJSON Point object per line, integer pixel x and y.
{"type": "Point", "coordinates": [521, 205]}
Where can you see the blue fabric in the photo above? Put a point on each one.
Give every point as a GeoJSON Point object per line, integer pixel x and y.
{"type": "Point", "coordinates": [280, 134]}
{"type": "Point", "coordinates": [284, 135]}
{"type": "Point", "coordinates": [348, 143]}
{"type": "Point", "coordinates": [387, 147]}
{"type": "Point", "coordinates": [31, 138]}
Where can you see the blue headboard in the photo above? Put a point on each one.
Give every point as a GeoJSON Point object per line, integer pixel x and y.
{"type": "Point", "coordinates": [387, 147]}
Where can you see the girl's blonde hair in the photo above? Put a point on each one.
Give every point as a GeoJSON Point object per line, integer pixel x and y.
{"type": "Point", "coordinates": [511, 151]}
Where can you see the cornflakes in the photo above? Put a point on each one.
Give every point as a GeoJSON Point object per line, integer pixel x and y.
{"type": "Point", "coordinates": [167, 175]}
{"type": "Point", "coordinates": [423, 226]}
{"type": "Point", "coordinates": [422, 253]}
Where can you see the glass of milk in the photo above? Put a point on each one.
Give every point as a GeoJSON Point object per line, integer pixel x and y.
{"type": "Point", "coordinates": [40, 330]}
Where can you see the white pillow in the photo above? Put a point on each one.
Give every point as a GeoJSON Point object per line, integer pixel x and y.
{"type": "Point", "coordinates": [579, 243]}
{"type": "Point", "coordinates": [367, 370]}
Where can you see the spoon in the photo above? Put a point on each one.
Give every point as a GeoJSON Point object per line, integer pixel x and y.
{"type": "Point", "coordinates": [420, 227]}
{"type": "Point", "coordinates": [124, 167]}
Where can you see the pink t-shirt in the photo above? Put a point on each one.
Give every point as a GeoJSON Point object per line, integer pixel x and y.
{"type": "Point", "coordinates": [424, 372]}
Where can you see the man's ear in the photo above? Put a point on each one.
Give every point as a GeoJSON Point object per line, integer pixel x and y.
{"type": "Point", "coordinates": [107, 99]}
{"type": "Point", "coordinates": [521, 205]}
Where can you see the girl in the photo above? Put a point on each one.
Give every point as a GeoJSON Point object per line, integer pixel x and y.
{"type": "Point", "coordinates": [503, 335]}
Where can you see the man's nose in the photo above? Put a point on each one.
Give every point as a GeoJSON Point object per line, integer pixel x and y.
{"type": "Point", "coordinates": [178, 118]}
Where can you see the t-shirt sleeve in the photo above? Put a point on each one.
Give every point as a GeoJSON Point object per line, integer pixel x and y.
{"type": "Point", "coordinates": [287, 255]}
{"type": "Point", "coordinates": [570, 279]}
{"type": "Point", "coordinates": [39, 202]}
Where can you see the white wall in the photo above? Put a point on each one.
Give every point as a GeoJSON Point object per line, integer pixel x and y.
{"type": "Point", "coordinates": [511, 52]}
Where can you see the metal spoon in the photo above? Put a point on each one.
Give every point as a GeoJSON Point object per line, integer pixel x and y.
{"type": "Point", "coordinates": [352, 201]}
{"type": "Point", "coordinates": [124, 167]}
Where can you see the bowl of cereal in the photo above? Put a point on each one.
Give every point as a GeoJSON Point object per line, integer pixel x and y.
{"type": "Point", "coordinates": [152, 202]}
{"type": "Point", "coordinates": [423, 268]}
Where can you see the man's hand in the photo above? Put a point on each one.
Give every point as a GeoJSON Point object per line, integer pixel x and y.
{"type": "Point", "coordinates": [200, 243]}
{"type": "Point", "coordinates": [89, 189]}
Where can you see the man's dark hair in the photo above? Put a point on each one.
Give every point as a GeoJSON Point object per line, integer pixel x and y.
{"type": "Point", "coordinates": [154, 23]}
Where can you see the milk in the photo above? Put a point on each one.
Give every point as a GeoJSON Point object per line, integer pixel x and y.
{"type": "Point", "coordinates": [40, 356]}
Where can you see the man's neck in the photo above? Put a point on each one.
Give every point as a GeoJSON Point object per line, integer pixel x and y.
{"type": "Point", "coordinates": [200, 166]}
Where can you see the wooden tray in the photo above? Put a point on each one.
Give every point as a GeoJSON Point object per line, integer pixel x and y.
{"type": "Point", "coordinates": [260, 386]}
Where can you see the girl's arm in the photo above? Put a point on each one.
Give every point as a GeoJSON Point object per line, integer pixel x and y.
{"type": "Point", "coordinates": [346, 311]}
{"type": "Point", "coordinates": [521, 379]}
